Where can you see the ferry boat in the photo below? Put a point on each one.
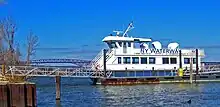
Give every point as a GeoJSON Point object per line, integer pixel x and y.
{"type": "Point", "coordinates": [128, 56]}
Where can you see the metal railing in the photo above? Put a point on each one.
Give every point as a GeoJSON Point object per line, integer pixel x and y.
{"type": "Point", "coordinates": [30, 71]}
{"type": "Point", "coordinates": [87, 72]}
{"type": "Point", "coordinates": [99, 57]}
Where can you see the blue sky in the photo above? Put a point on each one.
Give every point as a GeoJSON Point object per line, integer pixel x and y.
{"type": "Point", "coordinates": [80, 25]}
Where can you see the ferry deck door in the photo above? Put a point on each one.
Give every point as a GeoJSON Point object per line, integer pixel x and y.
{"type": "Point", "coordinates": [124, 47]}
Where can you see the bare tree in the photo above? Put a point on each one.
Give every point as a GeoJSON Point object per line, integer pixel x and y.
{"type": "Point", "coordinates": [2, 48]}
{"type": "Point", "coordinates": [10, 52]}
{"type": "Point", "coordinates": [9, 29]}
{"type": "Point", "coordinates": [17, 54]}
{"type": "Point", "coordinates": [7, 33]}
{"type": "Point", "coordinates": [32, 43]}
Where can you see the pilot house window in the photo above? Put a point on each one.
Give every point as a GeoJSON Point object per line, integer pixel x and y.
{"type": "Point", "coordinates": [120, 44]}
{"type": "Point", "coordinates": [112, 45]}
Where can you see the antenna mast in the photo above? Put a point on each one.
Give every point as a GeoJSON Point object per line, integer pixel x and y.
{"type": "Point", "coordinates": [130, 26]}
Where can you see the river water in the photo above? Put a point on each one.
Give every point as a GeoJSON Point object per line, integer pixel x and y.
{"type": "Point", "coordinates": [79, 93]}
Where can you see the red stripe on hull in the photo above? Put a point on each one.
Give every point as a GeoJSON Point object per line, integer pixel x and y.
{"type": "Point", "coordinates": [129, 81]}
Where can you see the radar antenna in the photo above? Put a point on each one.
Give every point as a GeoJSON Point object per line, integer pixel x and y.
{"type": "Point", "coordinates": [130, 26]}
{"type": "Point", "coordinates": [117, 32]}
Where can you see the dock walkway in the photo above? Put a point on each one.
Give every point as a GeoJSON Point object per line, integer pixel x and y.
{"type": "Point", "coordinates": [84, 72]}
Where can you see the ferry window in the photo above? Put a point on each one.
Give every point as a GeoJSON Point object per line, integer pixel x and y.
{"type": "Point", "coordinates": [173, 61]}
{"type": "Point", "coordinates": [152, 60]}
{"type": "Point", "coordinates": [136, 45]}
{"type": "Point", "coordinates": [194, 60]}
{"type": "Point", "coordinates": [109, 45]}
{"type": "Point", "coordinates": [127, 60]}
{"type": "Point", "coordinates": [119, 60]}
{"type": "Point", "coordinates": [165, 60]}
{"type": "Point", "coordinates": [112, 45]}
{"type": "Point", "coordinates": [135, 60]}
{"type": "Point", "coordinates": [120, 44]}
{"type": "Point", "coordinates": [186, 60]}
{"type": "Point", "coordinates": [144, 60]}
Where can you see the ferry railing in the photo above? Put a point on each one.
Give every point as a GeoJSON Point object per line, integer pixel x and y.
{"type": "Point", "coordinates": [96, 59]}
{"type": "Point", "coordinates": [109, 54]}
{"type": "Point", "coordinates": [99, 57]}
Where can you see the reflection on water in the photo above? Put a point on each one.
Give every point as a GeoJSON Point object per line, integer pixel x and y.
{"type": "Point", "coordinates": [79, 92]}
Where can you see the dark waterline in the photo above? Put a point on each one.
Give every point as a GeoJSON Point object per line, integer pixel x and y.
{"type": "Point", "coordinates": [80, 93]}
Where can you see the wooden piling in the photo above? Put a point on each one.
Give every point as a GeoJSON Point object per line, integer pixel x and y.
{"type": "Point", "coordinates": [197, 63]}
{"type": "Point", "coordinates": [31, 95]}
{"type": "Point", "coordinates": [17, 94]}
{"type": "Point", "coordinates": [57, 87]}
{"type": "Point", "coordinates": [180, 59]}
{"type": "Point", "coordinates": [4, 97]}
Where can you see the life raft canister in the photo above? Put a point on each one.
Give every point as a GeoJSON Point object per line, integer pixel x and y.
{"type": "Point", "coordinates": [180, 72]}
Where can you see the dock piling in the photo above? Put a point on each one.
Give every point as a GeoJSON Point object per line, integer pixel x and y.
{"type": "Point", "coordinates": [197, 64]}
{"type": "Point", "coordinates": [180, 59]}
{"type": "Point", "coordinates": [17, 94]}
{"type": "Point", "coordinates": [191, 70]}
{"type": "Point", "coordinates": [57, 87]}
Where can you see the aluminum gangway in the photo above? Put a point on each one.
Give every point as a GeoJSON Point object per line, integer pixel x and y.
{"type": "Point", "coordinates": [36, 71]}
{"type": "Point", "coordinates": [83, 72]}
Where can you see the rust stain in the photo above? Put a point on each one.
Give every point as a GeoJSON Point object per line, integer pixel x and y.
{"type": "Point", "coordinates": [17, 95]}
{"type": "Point", "coordinates": [128, 81]}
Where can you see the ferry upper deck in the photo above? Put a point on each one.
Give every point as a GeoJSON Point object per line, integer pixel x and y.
{"type": "Point", "coordinates": [128, 53]}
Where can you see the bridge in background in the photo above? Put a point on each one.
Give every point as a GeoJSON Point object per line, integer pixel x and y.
{"type": "Point", "coordinates": [56, 62]}
{"type": "Point", "coordinates": [74, 61]}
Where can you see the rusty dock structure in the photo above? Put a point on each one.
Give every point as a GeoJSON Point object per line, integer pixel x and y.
{"type": "Point", "coordinates": [15, 91]}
